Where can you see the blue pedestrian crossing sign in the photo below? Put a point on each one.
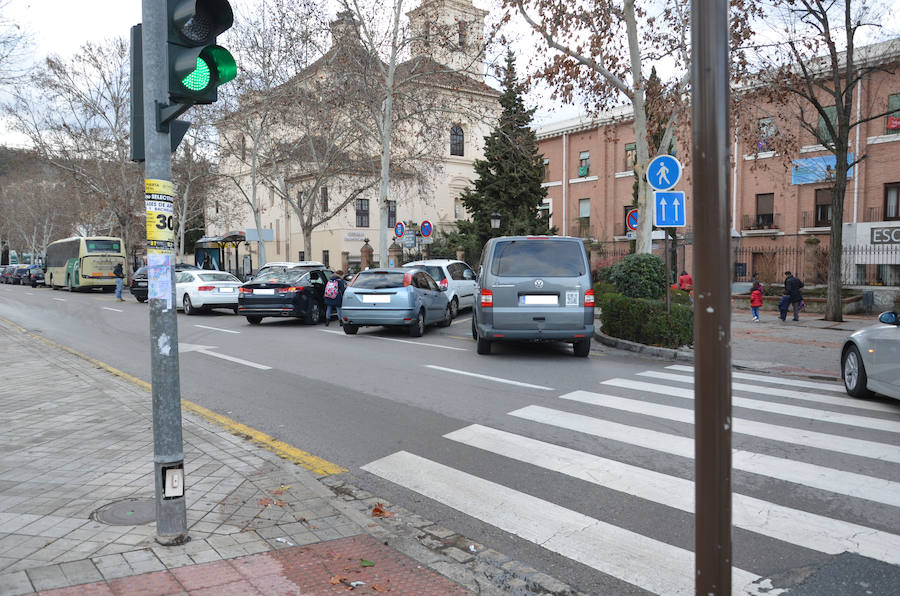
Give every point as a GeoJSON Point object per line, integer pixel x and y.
{"type": "Point", "coordinates": [664, 172]}
{"type": "Point", "coordinates": [669, 211]}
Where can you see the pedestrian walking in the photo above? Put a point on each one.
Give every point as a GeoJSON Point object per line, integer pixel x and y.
{"type": "Point", "coordinates": [783, 305]}
{"type": "Point", "coordinates": [334, 295]}
{"type": "Point", "coordinates": [792, 287]}
{"type": "Point", "coordinates": [685, 281]}
{"type": "Point", "coordinates": [120, 279]}
{"type": "Point", "coordinates": [756, 300]}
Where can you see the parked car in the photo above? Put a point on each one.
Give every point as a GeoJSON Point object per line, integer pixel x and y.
{"type": "Point", "coordinates": [275, 266]}
{"type": "Point", "coordinates": [455, 276]}
{"type": "Point", "coordinates": [294, 292]}
{"type": "Point", "coordinates": [198, 290]}
{"type": "Point", "coordinates": [36, 276]}
{"type": "Point", "coordinates": [534, 288]}
{"type": "Point", "coordinates": [870, 357]}
{"type": "Point", "coordinates": [401, 297]}
{"type": "Point", "coordinates": [138, 285]}
{"type": "Point", "coordinates": [19, 275]}
{"type": "Point", "coordinates": [6, 273]}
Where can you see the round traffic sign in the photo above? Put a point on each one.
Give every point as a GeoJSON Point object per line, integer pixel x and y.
{"type": "Point", "coordinates": [426, 228]}
{"type": "Point", "coordinates": [399, 229]}
{"type": "Point", "coordinates": [663, 172]}
{"type": "Point", "coordinates": [631, 219]}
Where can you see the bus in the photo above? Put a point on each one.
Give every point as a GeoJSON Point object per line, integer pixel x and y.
{"type": "Point", "coordinates": [84, 262]}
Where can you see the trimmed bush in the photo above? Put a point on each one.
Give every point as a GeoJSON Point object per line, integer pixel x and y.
{"type": "Point", "coordinates": [645, 321]}
{"type": "Point", "coordinates": [604, 287]}
{"type": "Point", "coordinates": [639, 276]}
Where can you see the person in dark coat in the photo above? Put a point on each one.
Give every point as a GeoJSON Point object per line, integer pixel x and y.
{"type": "Point", "coordinates": [792, 287]}
{"type": "Point", "coordinates": [783, 305]}
{"type": "Point", "coordinates": [334, 295]}
{"type": "Point", "coordinates": [120, 279]}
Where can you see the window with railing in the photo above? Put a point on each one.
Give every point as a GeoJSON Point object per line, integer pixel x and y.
{"type": "Point", "coordinates": [584, 216]}
{"type": "Point", "coordinates": [823, 207]}
{"type": "Point", "coordinates": [325, 258]}
{"type": "Point", "coordinates": [892, 123]}
{"type": "Point", "coordinates": [584, 163]}
{"type": "Point", "coordinates": [765, 211]}
{"type": "Point", "coordinates": [892, 201]}
{"type": "Point", "coordinates": [324, 199]}
{"type": "Point", "coordinates": [392, 214]}
{"type": "Point", "coordinates": [362, 213]}
{"type": "Point", "coordinates": [545, 170]}
{"type": "Point", "coordinates": [630, 155]}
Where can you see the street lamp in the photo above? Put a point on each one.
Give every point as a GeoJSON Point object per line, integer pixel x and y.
{"type": "Point", "coordinates": [495, 222]}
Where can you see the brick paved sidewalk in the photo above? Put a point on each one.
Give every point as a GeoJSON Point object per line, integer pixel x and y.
{"type": "Point", "coordinates": [75, 438]}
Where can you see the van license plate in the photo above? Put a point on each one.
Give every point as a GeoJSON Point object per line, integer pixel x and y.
{"type": "Point", "coordinates": [538, 299]}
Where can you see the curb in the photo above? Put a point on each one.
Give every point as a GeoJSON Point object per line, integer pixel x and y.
{"type": "Point", "coordinates": [653, 351]}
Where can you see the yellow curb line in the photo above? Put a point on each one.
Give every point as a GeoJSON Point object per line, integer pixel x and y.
{"type": "Point", "coordinates": [314, 464]}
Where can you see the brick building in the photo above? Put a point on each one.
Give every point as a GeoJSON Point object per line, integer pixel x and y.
{"type": "Point", "coordinates": [780, 204]}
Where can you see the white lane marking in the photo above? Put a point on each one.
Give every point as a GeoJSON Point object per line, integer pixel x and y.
{"type": "Point", "coordinates": [332, 331]}
{"type": "Point", "coordinates": [488, 378]}
{"type": "Point", "coordinates": [809, 530]}
{"type": "Point", "coordinates": [465, 320]}
{"type": "Point", "coordinates": [788, 434]}
{"type": "Point", "coordinates": [216, 329]}
{"type": "Point", "coordinates": [797, 472]}
{"type": "Point", "coordinates": [182, 348]}
{"type": "Point", "coordinates": [114, 309]}
{"type": "Point", "coordinates": [834, 400]}
{"type": "Point", "coordinates": [636, 559]}
{"type": "Point", "coordinates": [768, 407]}
{"type": "Point", "coordinates": [29, 293]}
{"type": "Point", "coordinates": [60, 299]}
{"type": "Point", "coordinates": [774, 380]}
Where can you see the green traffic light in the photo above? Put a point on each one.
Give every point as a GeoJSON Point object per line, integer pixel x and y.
{"type": "Point", "coordinates": [199, 79]}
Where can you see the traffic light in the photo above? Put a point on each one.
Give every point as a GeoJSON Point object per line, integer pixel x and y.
{"type": "Point", "coordinates": [197, 66]}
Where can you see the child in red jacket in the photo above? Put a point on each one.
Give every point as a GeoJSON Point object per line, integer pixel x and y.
{"type": "Point", "coordinates": [756, 301]}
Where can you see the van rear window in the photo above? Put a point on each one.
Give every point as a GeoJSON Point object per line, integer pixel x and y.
{"type": "Point", "coordinates": [538, 258]}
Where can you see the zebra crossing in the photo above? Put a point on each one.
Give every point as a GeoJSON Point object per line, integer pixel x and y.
{"type": "Point", "coordinates": [822, 457]}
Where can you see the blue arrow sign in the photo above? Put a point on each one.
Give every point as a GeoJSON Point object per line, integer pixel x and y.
{"type": "Point", "coordinates": [664, 172]}
{"type": "Point", "coordinates": [670, 210]}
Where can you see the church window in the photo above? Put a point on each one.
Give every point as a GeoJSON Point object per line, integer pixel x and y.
{"type": "Point", "coordinates": [457, 140]}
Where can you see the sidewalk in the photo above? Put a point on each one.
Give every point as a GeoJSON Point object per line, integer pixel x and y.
{"type": "Point", "coordinates": [76, 447]}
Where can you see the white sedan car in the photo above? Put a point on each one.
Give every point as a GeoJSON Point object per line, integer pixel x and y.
{"type": "Point", "coordinates": [455, 277]}
{"type": "Point", "coordinates": [870, 357]}
{"type": "Point", "coordinates": [202, 289]}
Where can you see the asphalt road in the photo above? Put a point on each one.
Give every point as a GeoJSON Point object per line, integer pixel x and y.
{"type": "Point", "coordinates": [421, 423]}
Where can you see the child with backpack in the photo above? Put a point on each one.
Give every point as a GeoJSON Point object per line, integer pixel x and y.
{"type": "Point", "coordinates": [756, 301]}
{"type": "Point", "coordinates": [334, 295]}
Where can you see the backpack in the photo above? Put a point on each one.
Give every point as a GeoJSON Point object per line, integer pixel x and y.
{"type": "Point", "coordinates": [332, 289]}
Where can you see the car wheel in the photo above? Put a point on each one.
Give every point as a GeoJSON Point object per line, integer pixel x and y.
{"type": "Point", "coordinates": [484, 346]}
{"type": "Point", "coordinates": [188, 307]}
{"type": "Point", "coordinates": [350, 329]}
{"type": "Point", "coordinates": [854, 372]}
{"type": "Point", "coordinates": [314, 316]}
{"type": "Point", "coordinates": [254, 320]}
{"type": "Point", "coordinates": [454, 307]}
{"type": "Point", "coordinates": [582, 347]}
{"type": "Point", "coordinates": [418, 327]}
{"type": "Point", "coordinates": [448, 317]}
{"type": "Point", "coordinates": [139, 299]}
{"type": "Point", "coordinates": [236, 309]}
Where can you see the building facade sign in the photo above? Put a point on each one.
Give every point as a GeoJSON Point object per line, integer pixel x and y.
{"type": "Point", "coordinates": [886, 235]}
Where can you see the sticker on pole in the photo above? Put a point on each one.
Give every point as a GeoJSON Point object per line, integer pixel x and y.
{"type": "Point", "coordinates": [426, 228]}
{"type": "Point", "coordinates": [631, 219]}
{"type": "Point", "coordinates": [399, 229]}
{"type": "Point", "coordinates": [159, 208]}
{"type": "Point", "coordinates": [664, 172]}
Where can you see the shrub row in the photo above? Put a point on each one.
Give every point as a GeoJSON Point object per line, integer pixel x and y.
{"type": "Point", "coordinates": [645, 321]}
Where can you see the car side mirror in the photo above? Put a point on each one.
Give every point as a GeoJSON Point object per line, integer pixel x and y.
{"type": "Point", "coordinates": [889, 318]}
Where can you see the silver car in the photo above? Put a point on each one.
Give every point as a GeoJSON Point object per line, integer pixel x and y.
{"type": "Point", "coordinates": [870, 360]}
{"type": "Point", "coordinates": [534, 288]}
{"type": "Point", "coordinates": [396, 297]}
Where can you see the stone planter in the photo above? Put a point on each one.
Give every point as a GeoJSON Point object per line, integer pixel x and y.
{"type": "Point", "coordinates": [849, 305]}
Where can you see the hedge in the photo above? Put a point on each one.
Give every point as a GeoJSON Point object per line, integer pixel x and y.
{"type": "Point", "coordinates": [646, 322]}
{"type": "Point", "coordinates": [638, 276]}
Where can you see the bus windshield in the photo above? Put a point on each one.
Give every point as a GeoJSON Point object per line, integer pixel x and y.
{"type": "Point", "coordinates": [103, 245]}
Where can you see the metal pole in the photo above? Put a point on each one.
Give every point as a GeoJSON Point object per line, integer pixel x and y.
{"type": "Point", "coordinates": [168, 453]}
{"type": "Point", "coordinates": [712, 305]}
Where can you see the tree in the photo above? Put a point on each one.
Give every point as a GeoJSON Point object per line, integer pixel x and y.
{"type": "Point", "coordinates": [509, 177]}
{"type": "Point", "coordinates": [598, 50]}
{"type": "Point", "coordinates": [193, 176]}
{"type": "Point", "coordinates": [814, 70]}
{"type": "Point", "coordinates": [15, 48]}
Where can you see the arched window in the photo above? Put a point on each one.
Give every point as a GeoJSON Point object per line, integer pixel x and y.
{"type": "Point", "coordinates": [457, 140]}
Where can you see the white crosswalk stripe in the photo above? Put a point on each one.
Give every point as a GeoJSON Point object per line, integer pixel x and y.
{"type": "Point", "coordinates": [780, 454]}
{"type": "Point", "coordinates": [834, 387]}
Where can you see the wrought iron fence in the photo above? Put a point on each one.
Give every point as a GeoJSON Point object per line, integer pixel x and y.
{"type": "Point", "coordinates": [860, 264]}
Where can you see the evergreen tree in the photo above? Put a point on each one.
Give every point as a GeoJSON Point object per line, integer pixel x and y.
{"type": "Point", "coordinates": [510, 175]}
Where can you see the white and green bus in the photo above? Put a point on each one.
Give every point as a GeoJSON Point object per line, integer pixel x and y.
{"type": "Point", "coordinates": [84, 262]}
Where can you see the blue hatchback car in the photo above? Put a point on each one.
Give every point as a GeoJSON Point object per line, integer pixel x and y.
{"type": "Point", "coordinates": [397, 297]}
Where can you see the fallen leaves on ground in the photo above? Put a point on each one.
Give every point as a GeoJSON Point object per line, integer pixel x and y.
{"type": "Point", "coordinates": [280, 490]}
{"type": "Point", "coordinates": [379, 511]}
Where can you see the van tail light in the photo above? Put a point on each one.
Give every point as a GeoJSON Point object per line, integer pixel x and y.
{"type": "Point", "coordinates": [243, 290]}
{"type": "Point", "coordinates": [290, 290]}
{"type": "Point", "coordinates": [206, 288]}
{"type": "Point", "coordinates": [487, 298]}
{"type": "Point", "coordinates": [444, 283]}
{"type": "Point", "coordinates": [589, 297]}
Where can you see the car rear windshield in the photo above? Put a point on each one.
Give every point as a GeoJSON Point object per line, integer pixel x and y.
{"type": "Point", "coordinates": [103, 246]}
{"type": "Point", "coordinates": [538, 258]}
{"type": "Point", "coordinates": [290, 276]}
{"type": "Point", "coordinates": [217, 277]}
{"type": "Point", "coordinates": [378, 280]}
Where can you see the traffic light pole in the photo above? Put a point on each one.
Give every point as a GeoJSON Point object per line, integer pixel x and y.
{"type": "Point", "coordinates": [168, 451]}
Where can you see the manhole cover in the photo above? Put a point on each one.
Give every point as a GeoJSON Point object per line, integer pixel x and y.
{"type": "Point", "coordinates": [126, 513]}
